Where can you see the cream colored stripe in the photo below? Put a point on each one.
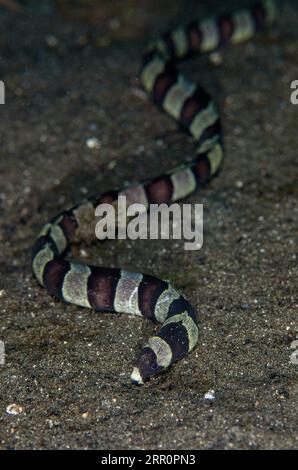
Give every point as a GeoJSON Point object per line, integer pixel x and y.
{"type": "Point", "coordinates": [208, 144]}
{"type": "Point", "coordinates": [57, 234]}
{"type": "Point", "coordinates": [215, 157]}
{"type": "Point", "coordinates": [85, 218]}
{"type": "Point", "coordinates": [162, 350]}
{"type": "Point", "coordinates": [162, 47]}
{"type": "Point", "coordinates": [126, 297]}
{"type": "Point", "coordinates": [40, 260]}
{"type": "Point", "coordinates": [84, 213]}
{"type": "Point", "coordinates": [75, 285]}
{"type": "Point", "coordinates": [180, 41]}
{"type": "Point", "coordinates": [150, 73]}
{"type": "Point", "coordinates": [163, 303]}
{"type": "Point", "coordinates": [177, 95]}
{"type": "Point", "coordinates": [184, 183]}
{"type": "Point", "coordinates": [135, 194]}
{"type": "Point", "coordinates": [44, 230]}
{"type": "Point", "coordinates": [210, 34]}
{"type": "Point", "coordinates": [189, 325]}
{"type": "Point", "coordinates": [203, 119]}
{"type": "Point", "coordinates": [271, 10]}
{"type": "Point", "coordinates": [243, 26]}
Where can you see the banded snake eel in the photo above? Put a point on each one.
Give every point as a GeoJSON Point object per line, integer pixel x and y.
{"type": "Point", "coordinates": [117, 290]}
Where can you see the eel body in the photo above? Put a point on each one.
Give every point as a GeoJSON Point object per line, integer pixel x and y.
{"type": "Point", "coordinates": [117, 290]}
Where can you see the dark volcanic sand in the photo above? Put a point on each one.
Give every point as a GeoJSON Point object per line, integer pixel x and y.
{"type": "Point", "coordinates": [67, 369]}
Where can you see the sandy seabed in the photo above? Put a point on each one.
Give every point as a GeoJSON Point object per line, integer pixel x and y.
{"type": "Point", "coordinates": [65, 381]}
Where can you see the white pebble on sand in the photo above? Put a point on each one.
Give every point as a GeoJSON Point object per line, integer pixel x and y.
{"type": "Point", "coordinates": [210, 395]}
{"type": "Point", "coordinates": [14, 409]}
{"type": "Point", "coordinates": [93, 143]}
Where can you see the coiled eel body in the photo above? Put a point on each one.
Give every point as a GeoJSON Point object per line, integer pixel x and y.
{"type": "Point", "coordinates": [116, 290]}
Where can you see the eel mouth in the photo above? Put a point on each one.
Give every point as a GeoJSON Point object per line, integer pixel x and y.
{"type": "Point", "coordinates": [136, 377]}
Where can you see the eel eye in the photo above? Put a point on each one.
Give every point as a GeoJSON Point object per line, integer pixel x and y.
{"type": "Point", "coordinates": [154, 366]}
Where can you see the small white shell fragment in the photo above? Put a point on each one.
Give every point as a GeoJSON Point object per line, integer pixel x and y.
{"type": "Point", "coordinates": [14, 409]}
{"type": "Point", "coordinates": [93, 143]}
{"type": "Point", "coordinates": [210, 395]}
